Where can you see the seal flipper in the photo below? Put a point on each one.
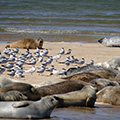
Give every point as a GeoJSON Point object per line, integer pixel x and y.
{"type": "Point", "coordinates": [22, 104]}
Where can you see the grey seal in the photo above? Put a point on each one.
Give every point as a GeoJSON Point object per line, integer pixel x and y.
{"type": "Point", "coordinates": [110, 41]}
{"type": "Point", "coordinates": [109, 94]}
{"type": "Point", "coordinates": [26, 89]}
{"type": "Point", "coordinates": [12, 96]}
{"type": "Point", "coordinates": [62, 87]}
{"type": "Point", "coordinates": [29, 109]}
{"type": "Point", "coordinates": [84, 97]}
{"type": "Point", "coordinates": [112, 63]}
{"type": "Point", "coordinates": [102, 82]}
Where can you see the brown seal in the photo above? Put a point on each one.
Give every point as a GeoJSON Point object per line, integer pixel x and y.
{"type": "Point", "coordinates": [84, 76]}
{"type": "Point", "coordinates": [27, 43]}
{"type": "Point", "coordinates": [62, 87]}
{"type": "Point", "coordinates": [84, 97]}
{"type": "Point", "coordinates": [109, 94]}
{"type": "Point", "coordinates": [89, 75]}
{"type": "Point", "coordinates": [26, 89]}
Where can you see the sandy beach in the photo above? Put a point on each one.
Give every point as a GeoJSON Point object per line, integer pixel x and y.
{"type": "Point", "coordinates": [88, 51]}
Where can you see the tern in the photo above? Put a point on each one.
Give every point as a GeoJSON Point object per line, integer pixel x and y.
{"type": "Point", "coordinates": [57, 57]}
{"type": "Point", "coordinates": [68, 52]}
{"type": "Point", "coordinates": [40, 59]}
{"type": "Point", "coordinates": [82, 61]}
{"type": "Point", "coordinates": [31, 70]}
{"type": "Point", "coordinates": [16, 50]}
{"type": "Point", "coordinates": [91, 62]}
{"type": "Point", "coordinates": [62, 51]}
{"type": "Point", "coordinates": [50, 68]}
{"type": "Point", "coordinates": [41, 70]}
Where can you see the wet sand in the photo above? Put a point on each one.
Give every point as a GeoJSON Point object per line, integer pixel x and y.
{"type": "Point", "coordinates": [89, 51]}
{"type": "Point", "coordinates": [99, 112]}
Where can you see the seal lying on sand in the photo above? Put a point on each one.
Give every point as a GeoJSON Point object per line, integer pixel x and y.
{"type": "Point", "coordinates": [110, 94]}
{"type": "Point", "coordinates": [27, 43]}
{"type": "Point", "coordinates": [28, 109]}
{"type": "Point", "coordinates": [110, 41]}
{"type": "Point", "coordinates": [12, 96]}
{"type": "Point", "coordinates": [102, 82]}
{"type": "Point", "coordinates": [91, 74]}
{"type": "Point", "coordinates": [26, 89]}
{"type": "Point", "coordinates": [84, 76]}
{"type": "Point", "coordinates": [62, 87]}
{"type": "Point", "coordinates": [75, 70]}
{"type": "Point", "coordinates": [112, 63]}
{"type": "Point", "coordinates": [84, 97]}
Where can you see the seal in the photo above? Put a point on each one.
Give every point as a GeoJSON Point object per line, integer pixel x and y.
{"type": "Point", "coordinates": [109, 94]}
{"type": "Point", "coordinates": [28, 109]}
{"type": "Point", "coordinates": [110, 41]}
{"type": "Point", "coordinates": [84, 97]}
{"type": "Point", "coordinates": [84, 76]}
{"type": "Point", "coordinates": [93, 73]}
{"type": "Point", "coordinates": [104, 73]}
{"type": "Point", "coordinates": [26, 89]}
{"type": "Point", "coordinates": [62, 87]}
{"type": "Point", "coordinates": [12, 96]}
{"type": "Point", "coordinates": [27, 43]}
{"type": "Point", "coordinates": [102, 82]}
{"type": "Point", "coordinates": [5, 81]}
{"type": "Point", "coordinates": [112, 63]}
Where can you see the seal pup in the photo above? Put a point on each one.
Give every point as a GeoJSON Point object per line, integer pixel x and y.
{"type": "Point", "coordinates": [26, 89]}
{"type": "Point", "coordinates": [29, 109]}
{"type": "Point", "coordinates": [27, 43]}
{"type": "Point", "coordinates": [84, 97]}
{"type": "Point", "coordinates": [61, 87]}
{"type": "Point", "coordinates": [109, 94]}
{"type": "Point", "coordinates": [110, 41]}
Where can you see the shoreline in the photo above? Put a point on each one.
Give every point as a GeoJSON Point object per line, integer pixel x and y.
{"type": "Point", "coordinates": [52, 38]}
{"type": "Point", "coordinates": [88, 51]}
{"type": "Point", "coordinates": [95, 51]}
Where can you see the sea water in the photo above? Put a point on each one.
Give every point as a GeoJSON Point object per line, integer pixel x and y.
{"type": "Point", "coordinates": [59, 20]}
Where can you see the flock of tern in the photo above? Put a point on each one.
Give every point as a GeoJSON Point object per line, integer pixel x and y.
{"type": "Point", "coordinates": [12, 61]}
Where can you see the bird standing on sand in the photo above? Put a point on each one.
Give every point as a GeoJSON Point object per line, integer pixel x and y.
{"type": "Point", "coordinates": [49, 60]}
{"type": "Point", "coordinates": [50, 68]}
{"type": "Point", "coordinates": [12, 73]}
{"type": "Point", "coordinates": [72, 59]}
{"type": "Point", "coordinates": [46, 51]}
{"type": "Point", "coordinates": [40, 59]}
{"type": "Point", "coordinates": [82, 61]}
{"type": "Point", "coordinates": [62, 51]}
{"type": "Point", "coordinates": [9, 65]}
{"type": "Point", "coordinates": [62, 72]}
{"type": "Point", "coordinates": [41, 70]}
{"type": "Point", "coordinates": [31, 70]}
{"type": "Point", "coordinates": [27, 52]}
{"type": "Point", "coordinates": [36, 50]}
{"type": "Point", "coordinates": [66, 59]}
{"type": "Point", "coordinates": [56, 57]}
{"type": "Point", "coordinates": [91, 62]}
{"type": "Point", "coordinates": [68, 52]}
{"type": "Point", "coordinates": [19, 73]}
{"type": "Point", "coordinates": [56, 72]}
{"type": "Point", "coordinates": [16, 50]}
